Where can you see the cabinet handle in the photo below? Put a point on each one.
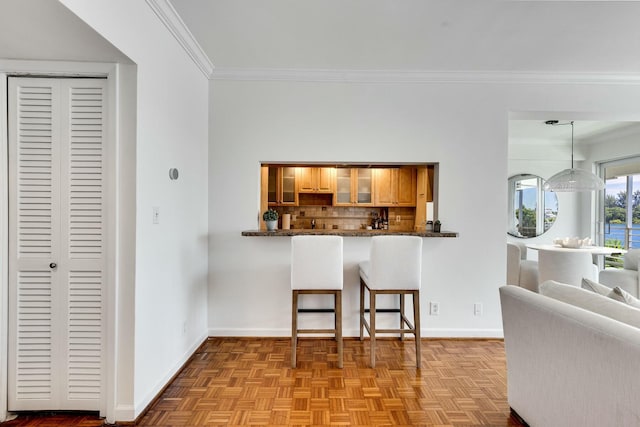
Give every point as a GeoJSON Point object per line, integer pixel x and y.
{"type": "Point", "coordinates": [53, 265]}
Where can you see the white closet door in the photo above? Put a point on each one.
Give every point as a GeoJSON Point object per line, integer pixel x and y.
{"type": "Point", "coordinates": [56, 243]}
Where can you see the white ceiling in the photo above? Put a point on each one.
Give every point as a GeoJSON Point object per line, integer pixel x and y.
{"type": "Point", "coordinates": [584, 131]}
{"type": "Point", "coordinates": [443, 35]}
{"type": "Point", "coordinates": [46, 30]}
{"type": "Point", "coordinates": [488, 35]}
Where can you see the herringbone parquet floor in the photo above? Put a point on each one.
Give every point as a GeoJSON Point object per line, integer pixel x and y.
{"type": "Point", "coordinates": [249, 381]}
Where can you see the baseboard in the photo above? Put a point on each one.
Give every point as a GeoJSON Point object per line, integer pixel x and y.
{"type": "Point", "coordinates": [426, 333]}
{"type": "Point", "coordinates": [124, 412]}
{"type": "Point", "coordinates": [462, 333]}
{"type": "Point", "coordinates": [517, 416]}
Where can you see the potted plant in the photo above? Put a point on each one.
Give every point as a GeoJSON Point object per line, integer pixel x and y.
{"type": "Point", "coordinates": [270, 218]}
{"type": "Point", "coordinates": [436, 226]}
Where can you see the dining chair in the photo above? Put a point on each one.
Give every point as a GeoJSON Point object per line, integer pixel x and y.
{"type": "Point", "coordinates": [394, 267]}
{"type": "Point", "coordinates": [316, 269]}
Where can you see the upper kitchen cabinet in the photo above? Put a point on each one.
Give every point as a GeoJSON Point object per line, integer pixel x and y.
{"type": "Point", "coordinates": [395, 187]}
{"type": "Point", "coordinates": [315, 180]}
{"type": "Point", "coordinates": [354, 187]}
{"type": "Point", "coordinates": [424, 193]}
{"type": "Point", "coordinates": [282, 186]}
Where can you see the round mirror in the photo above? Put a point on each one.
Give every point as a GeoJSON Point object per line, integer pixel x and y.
{"type": "Point", "coordinates": [532, 211]}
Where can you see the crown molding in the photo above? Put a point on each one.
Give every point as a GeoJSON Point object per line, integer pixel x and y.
{"type": "Point", "coordinates": [171, 19]}
{"type": "Point", "coordinates": [418, 76]}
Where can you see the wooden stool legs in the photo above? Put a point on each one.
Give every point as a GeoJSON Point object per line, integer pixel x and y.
{"type": "Point", "coordinates": [294, 327]}
{"type": "Point", "coordinates": [337, 321]}
{"type": "Point", "coordinates": [404, 321]}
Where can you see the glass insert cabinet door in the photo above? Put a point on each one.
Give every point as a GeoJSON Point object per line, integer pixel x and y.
{"type": "Point", "coordinates": [343, 186]}
{"type": "Point", "coordinates": [364, 184]}
{"type": "Point", "coordinates": [531, 211]}
{"type": "Point", "coordinates": [281, 187]}
{"type": "Point", "coordinates": [288, 185]}
{"type": "Point", "coordinates": [354, 187]}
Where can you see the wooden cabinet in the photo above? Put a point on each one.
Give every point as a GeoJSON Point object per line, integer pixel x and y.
{"type": "Point", "coordinates": [354, 187]}
{"type": "Point", "coordinates": [424, 193]}
{"type": "Point", "coordinates": [282, 186]}
{"type": "Point", "coordinates": [395, 187]}
{"type": "Point", "coordinates": [315, 180]}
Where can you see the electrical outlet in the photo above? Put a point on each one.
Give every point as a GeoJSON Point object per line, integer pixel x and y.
{"type": "Point", "coordinates": [477, 309]}
{"type": "Point", "coordinates": [398, 219]}
{"type": "Point", "coordinates": [434, 308]}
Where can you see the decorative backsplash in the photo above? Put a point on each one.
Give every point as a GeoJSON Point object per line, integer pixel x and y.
{"type": "Point", "coordinates": [347, 218]}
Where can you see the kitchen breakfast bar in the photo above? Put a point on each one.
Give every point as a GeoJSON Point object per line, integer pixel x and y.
{"type": "Point", "coordinates": [357, 202]}
{"type": "Point", "coordinates": [346, 233]}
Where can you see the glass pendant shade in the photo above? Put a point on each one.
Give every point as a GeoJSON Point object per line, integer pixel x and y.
{"type": "Point", "coordinates": [570, 180]}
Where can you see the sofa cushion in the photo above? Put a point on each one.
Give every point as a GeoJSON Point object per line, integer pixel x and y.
{"type": "Point", "coordinates": [592, 301]}
{"type": "Point", "coordinates": [621, 295]}
{"type": "Point", "coordinates": [596, 287]}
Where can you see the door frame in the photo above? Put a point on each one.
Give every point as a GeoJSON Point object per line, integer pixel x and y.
{"type": "Point", "coordinates": [64, 69]}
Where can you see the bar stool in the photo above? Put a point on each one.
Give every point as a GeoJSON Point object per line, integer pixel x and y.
{"type": "Point", "coordinates": [316, 268]}
{"type": "Point", "coordinates": [394, 267]}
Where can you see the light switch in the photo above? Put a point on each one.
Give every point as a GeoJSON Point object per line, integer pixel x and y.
{"type": "Point", "coordinates": [156, 215]}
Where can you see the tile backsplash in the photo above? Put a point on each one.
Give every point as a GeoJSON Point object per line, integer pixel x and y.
{"type": "Point", "coordinates": [347, 218]}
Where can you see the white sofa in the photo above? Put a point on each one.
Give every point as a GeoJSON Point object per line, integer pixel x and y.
{"type": "Point", "coordinates": [567, 365]}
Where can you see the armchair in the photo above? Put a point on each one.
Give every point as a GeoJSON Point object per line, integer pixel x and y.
{"type": "Point", "coordinates": [627, 277]}
{"type": "Point", "coordinates": [521, 271]}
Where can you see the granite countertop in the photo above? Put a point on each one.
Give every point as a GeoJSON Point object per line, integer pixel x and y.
{"type": "Point", "coordinates": [346, 233]}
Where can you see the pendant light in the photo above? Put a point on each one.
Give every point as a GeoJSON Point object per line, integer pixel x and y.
{"type": "Point", "coordinates": [572, 180]}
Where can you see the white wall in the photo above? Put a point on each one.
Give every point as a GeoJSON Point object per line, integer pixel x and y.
{"type": "Point", "coordinates": [463, 126]}
{"type": "Point", "coordinates": [170, 257]}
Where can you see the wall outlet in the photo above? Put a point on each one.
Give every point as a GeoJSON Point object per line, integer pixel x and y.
{"type": "Point", "coordinates": [477, 309]}
{"type": "Point", "coordinates": [434, 308]}
{"type": "Point", "coordinates": [398, 219]}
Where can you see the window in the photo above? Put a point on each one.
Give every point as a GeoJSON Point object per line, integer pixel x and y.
{"type": "Point", "coordinates": [620, 205]}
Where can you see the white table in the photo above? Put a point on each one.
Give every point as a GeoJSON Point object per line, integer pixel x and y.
{"type": "Point", "coordinates": [598, 252]}
{"type": "Point", "coordinates": [594, 250]}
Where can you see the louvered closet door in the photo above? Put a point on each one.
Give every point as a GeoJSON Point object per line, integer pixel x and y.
{"type": "Point", "coordinates": [56, 238]}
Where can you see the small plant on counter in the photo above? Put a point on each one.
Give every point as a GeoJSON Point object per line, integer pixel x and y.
{"type": "Point", "coordinates": [270, 215]}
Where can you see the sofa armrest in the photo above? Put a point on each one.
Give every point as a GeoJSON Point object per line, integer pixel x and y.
{"type": "Point", "coordinates": [567, 366]}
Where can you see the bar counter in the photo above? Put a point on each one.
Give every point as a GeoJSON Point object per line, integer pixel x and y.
{"type": "Point", "coordinates": [345, 233]}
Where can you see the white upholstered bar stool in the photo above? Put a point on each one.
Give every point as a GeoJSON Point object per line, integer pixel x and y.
{"type": "Point", "coordinates": [316, 268]}
{"type": "Point", "coordinates": [394, 267]}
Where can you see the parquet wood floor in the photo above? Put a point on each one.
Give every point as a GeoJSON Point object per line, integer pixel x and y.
{"type": "Point", "coordinates": [249, 381]}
